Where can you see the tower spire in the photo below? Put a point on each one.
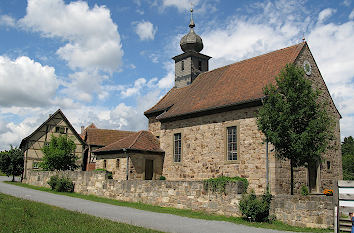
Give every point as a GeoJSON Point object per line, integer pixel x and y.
{"type": "Point", "coordinates": [191, 24]}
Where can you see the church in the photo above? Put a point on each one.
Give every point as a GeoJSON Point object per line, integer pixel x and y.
{"type": "Point", "coordinates": [205, 127]}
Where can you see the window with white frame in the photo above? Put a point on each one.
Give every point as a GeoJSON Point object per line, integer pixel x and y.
{"type": "Point", "coordinates": [232, 143]}
{"type": "Point", "coordinates": [177, 147]}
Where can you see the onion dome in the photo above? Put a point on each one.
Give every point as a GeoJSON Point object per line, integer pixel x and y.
{"type": "Point", "coordinates": [191, 41]}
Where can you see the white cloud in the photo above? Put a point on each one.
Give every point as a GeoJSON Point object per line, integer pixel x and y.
{"type": "Point", "coordinates": [24, 82]}
{"type": "Point", "coordinates": [346, 2]}
{"type": "Point", "coordinates": [138, 84]}
{"type": "Point", "coordinates": [93, 41]}
{"type": "Point", "coordinates": [154, 58]}
{"type": "Point", "coordinates": [8, 21]}
{"type": "Point", "coordinates": [145, 30]}
{"type": "Point", "coordinates": [181, 5]}
{"type": "Point", "coordinates": [351, 15]}
{"type": "Point", "coordinates": [83, 85]}
{"type": "Point", "coordinates": [169, 79]}
{"type": "Point", "coordinates": [325, 14]}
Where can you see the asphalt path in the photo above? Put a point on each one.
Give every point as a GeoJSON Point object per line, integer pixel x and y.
{"type": "Point", "coordinates": [152, 220]}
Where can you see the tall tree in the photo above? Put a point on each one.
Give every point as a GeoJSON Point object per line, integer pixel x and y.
{"type": "Point", "coordinates": [348, 158]}
{"type": "Point", "coordinates": [59, 154]}
{"type": "Point", "coordinates": [11, 162]}
{"type": "Point", "coordinates": [294, 119]}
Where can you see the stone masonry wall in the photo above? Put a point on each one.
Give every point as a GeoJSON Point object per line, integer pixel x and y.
{"type": "Point", "coordinates": [308, 211]}
{"type": "Point", "coordinates": [304, 211]}
{"type": "Point", "coordinates": [204, 148]}
{"type": "Point", "coordinates": [327, 176]}
{"type": "Point", "coordinates": [177, 194]}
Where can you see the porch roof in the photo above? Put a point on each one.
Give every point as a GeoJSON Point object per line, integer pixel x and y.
{"type": "Point", "coordinates": [143, 142]}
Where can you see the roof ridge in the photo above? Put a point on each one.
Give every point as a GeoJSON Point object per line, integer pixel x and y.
{"type": "Point", "coordinates": [138, 135]}
{"type": "Point", "coordinates": [251, 58]}
{"type": "Point", "coordinates": [111, 130]}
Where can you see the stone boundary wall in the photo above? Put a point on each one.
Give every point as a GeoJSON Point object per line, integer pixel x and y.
{"type": "Point", "coordinates": [177, 194]}
{"type": "Point", "coordinates": [304, 211]}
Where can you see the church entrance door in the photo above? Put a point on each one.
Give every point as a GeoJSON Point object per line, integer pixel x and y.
{"type": "Point", "coordinates": [313, 176]}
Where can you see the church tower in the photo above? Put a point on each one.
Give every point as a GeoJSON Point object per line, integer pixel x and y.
{"type": "Point", "coordinates": [191, 63]}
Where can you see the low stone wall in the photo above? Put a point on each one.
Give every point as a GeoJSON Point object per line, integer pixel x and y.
{"type": "Point", "coordinates": [177, 194]}
{"type": "Point", "coordinates": [304, 211]}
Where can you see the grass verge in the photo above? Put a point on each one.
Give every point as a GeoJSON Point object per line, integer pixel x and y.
{"type": "Point", "coordinates": [277, 225]}
{"type": "Point", "coordinates": [19, 215]}
{"type": "Point", "coordinates": [2, 174]}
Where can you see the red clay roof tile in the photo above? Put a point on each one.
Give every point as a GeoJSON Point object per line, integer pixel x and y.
{"type": "Point", "coordinates": [104, 137]}
{"type": "Point", "coordinates": [140, 141]}
{"type": "Point", "coordinates": [236, 83]}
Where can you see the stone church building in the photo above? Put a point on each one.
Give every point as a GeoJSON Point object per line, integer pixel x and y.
{"type": "Point", "coordinates": [206, 124]}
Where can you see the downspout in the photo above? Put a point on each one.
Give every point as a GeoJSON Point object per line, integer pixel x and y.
{"type": "Point", "coordinates": [267, 166]}
{"type": "Point", "coordinates": [127, 175]}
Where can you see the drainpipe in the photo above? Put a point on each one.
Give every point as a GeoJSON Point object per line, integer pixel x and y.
{"type": "Point", "coordinates": [267, 165]}
{"type": "Point", "coordinates": [125, 152]}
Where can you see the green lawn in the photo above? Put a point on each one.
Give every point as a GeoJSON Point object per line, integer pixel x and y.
{"type": "Point", "coordinates": [19, 215]}
{"type": "Point", "coordinates": [181, 212]}
{"type": "Point", "coordinates": [2, 174]}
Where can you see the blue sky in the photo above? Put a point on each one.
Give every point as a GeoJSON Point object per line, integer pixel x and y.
{"type": "Point", "coordinates": [108, 61]}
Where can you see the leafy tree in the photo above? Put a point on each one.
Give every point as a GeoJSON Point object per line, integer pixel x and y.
{"type": "Point", "coordinates": [11, 162]}
{"type": "Point", "coordinates": [59, 154]}
{"type": "Point", "coordinates": [348, 158]}
{"type": "Point", "coordinates": [294, 120]}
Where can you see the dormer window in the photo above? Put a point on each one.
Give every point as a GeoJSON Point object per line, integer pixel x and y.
{"type": "Point", "coordinates": [182, 67]}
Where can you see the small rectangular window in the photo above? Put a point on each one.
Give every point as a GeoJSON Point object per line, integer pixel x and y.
{"type": "Point", "coordinates": [328, 165]}
{"type": "Point", "coordinates": [177, 147]}
{"type": "Point", "coordinates": [61, 129]}
{"type": "Point", "coordinates": [182, 65]}
{"type": "Point", "coordinates": [117, 163]}
{"type": "Point", "coordinates": [104, 164]}
{"type": "Point", "coordinates": [200, 65]}
{"type": "Point", "coordinates": [232, 143]}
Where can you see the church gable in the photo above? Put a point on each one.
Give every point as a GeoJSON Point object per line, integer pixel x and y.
{"type": "Point", "coordinates": [306, 60]}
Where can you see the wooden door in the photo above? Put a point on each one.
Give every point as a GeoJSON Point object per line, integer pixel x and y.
{"type": "Point", "coordinates": [149, 169]}
{"type": "Point", "coordinates": [313, 177]}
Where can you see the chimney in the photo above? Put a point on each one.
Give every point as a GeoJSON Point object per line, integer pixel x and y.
{"type": "Point", "coordinates": [82, 129]}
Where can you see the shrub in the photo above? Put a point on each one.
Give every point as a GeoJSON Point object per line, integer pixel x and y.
{"type": "Point", "coordinates": [256, 209]}
{"type": "Point", "coordinates": [219, 184]}
{"type": "Point", "coordinates": [162, 178]}
{"type": "Point", "coordinates": [108, 173]}
{"type": "Point", "coordinates": [61, 184]}
{"type": "Point", "coordinates": [304, 190]}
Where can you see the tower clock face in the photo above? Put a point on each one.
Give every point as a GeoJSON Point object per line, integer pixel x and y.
{"type": "Point", "coordinates": [307, 67]}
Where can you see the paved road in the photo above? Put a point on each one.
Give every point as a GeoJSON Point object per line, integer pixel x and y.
{"type": "Point", "coordinates": [157, 221]}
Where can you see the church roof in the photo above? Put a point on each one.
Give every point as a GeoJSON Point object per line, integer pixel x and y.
{"type": "Point", "coordinates": [104, 137]}
{"type": "Point", "coordinates": [238, 83]}
{"type": "Point", "coordinates": [142, 141]}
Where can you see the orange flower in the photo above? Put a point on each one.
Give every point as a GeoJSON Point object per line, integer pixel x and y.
{"type": "Point", "coordinates": [328, 192]}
